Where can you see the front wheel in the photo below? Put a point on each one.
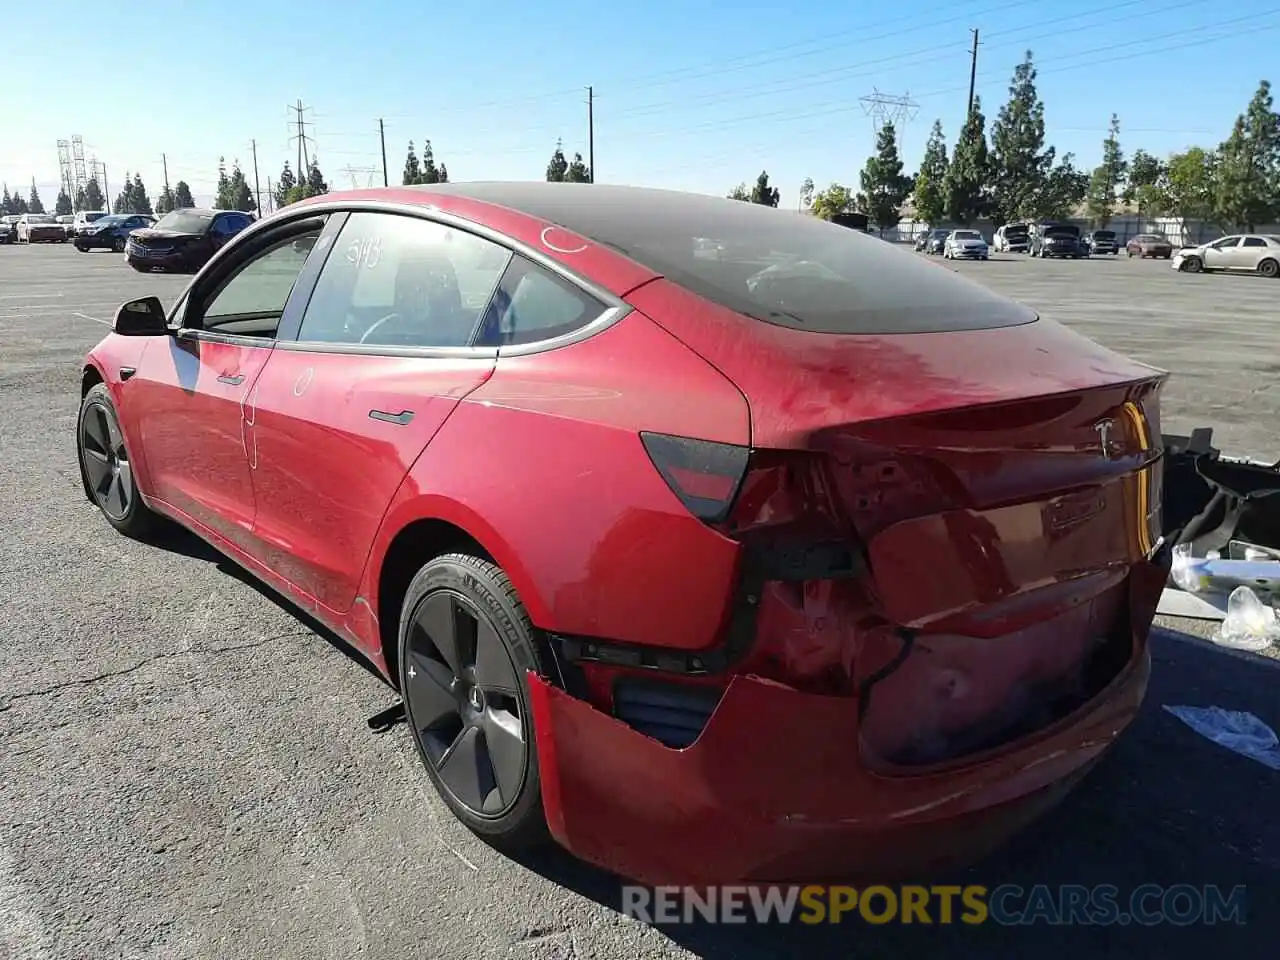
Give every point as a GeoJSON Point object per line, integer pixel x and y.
{"type": "Point", "coordinates": [465, 646]}
{"type": "Point", "coordinates": [117, 245]}
{"type": "Point", "coordinates": [106, 468]}
{"type": "Point", "coordinates": [1193, 265]}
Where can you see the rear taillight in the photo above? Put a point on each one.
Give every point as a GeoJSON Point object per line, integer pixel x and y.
{"type": "Point", "coordinates": [704, 475]}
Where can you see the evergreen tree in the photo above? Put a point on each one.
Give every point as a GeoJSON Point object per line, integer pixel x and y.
{"type": "Point", "coordinates": [80, 202]}
{"type": "Point", "coordinates": [577, 171]}
{"type": "Point", "coordinates": [166, 202]}
{"type": "Point", "coordinates": [124, 199]}
{"type": "Point", "coordinates": [62, 206]}
{"type": "Point", "coordinates": [965, 183]}
{"type": "Point", "coordinates": [1146, 184]}
{"type": "Point", "coordinates": [6, 203]}
{"type": "Point", "coordinates": [1062, 192]}
{"type": "Point", "coordinates": [222, 195]}
{"type": "Point", "coordinates": [930, 192]}
{"type": "Point", "coordinates": [430, 173]}
{"type": "Point", "coordinates": [315, 180]}
{"type": "Point", "coordinates": [19, 205]}
{"type": "Point", "coordinates": [288, 181]}
{"type": "Point", "coordinates": [558, 168]}
{"type": "Point", "coordinates": [884, 186]}
{"type": "Point", "coordinates": [93, 198]}
{"type": "Point", "coordinates": [806, 193]}
{"type": "Point", "coordinates": [34, 205]}
{"type": "Point", "coordinates": [412, 169]}
{"type": "Point", "coordinates": [138, 196]}
{"type": "Point", "coordinates": [764, 194]}
{"type": "Point", "coordinates": [182, 198]}
{"type": "Point", "coordinates": [740, 192]}
{"type": "Point", "coordinates": [444, 173]}
{"type": "Point", "coordinates": [1020, 162]}
{"type": "Point", "coordinates": [1104, 183]}
{"type": "Point", "coordinates": [239, 193]}
{"type": "Point", "coordinates": [1248, 186]}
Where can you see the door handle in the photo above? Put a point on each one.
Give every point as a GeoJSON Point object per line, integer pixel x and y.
{"type": "Point", "coordinates": [233, 381]}
{"type": "Point", "coordinates": [402, 418]}
{"type": "Point", "coordinates": [127, 372]}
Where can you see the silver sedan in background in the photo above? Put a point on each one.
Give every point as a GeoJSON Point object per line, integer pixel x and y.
{"type": "Point", "coordinates": [1255, 253]}
{"type": "Point", "coordinates": [965, 245]}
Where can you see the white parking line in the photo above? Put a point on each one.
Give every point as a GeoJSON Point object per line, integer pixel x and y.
{"type": "Point", "coordinates": [85, 316]}
{"type": "Point", "coordinates": [31, 296]}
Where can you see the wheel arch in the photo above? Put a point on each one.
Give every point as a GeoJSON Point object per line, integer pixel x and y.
{"type": "Point", "coordinates": [420, 530]}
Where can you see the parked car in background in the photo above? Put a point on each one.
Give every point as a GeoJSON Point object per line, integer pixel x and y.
{"type": "Point", "coordinates": [9, 229]}
{"type": "Point", "coordinates": [67, 220]}
{"type": "Point", "coordinates": [111, 232]}
{"type": "Point", "coordinates": [1057, 240]}
{"type": "Point", "coordinates": [1249, 253]}
{"type": "Point", "coordinates": [965, 245]}
{"type": "Point", "coordinates": [936, 239]}
{"type": "Point", "coordinates": [83, 218]}
{"type": "Point", "coordinates": [1101, 242]}
{"type": "Point", "coordinates": [40, 228]}
{"type": "Point", "coordinates": [469, 426]}
{"type": "Point", "coordinates": [1014, 237]}
{"type": "Point", "coordinates": [184, 240]}
{"type": "Point", "coordinates": [1149, 245]}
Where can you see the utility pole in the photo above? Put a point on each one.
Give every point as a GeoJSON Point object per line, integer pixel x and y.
{"type": "Point", "coordinates": [164, 162]}
{"type": "Point", "coordinates": [106, 190]}
{"type": "Point", "coordinates": [382, 137]}
{"type": "Point", "coordinates": [270, 197]}
{"type": "Point", "coordinates": [257, 190]}
{"type": "Point", "coordinates": [591, 135]}
{"type": "Point", "coordinates": [973, 71]}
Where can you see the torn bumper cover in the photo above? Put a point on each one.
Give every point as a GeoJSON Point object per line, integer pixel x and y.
{"type": "Point", "coordinates": [775, 789]}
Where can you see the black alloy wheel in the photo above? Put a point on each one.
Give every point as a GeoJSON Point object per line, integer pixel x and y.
{"type": "Point", "coordinates": [1193, 265]}
{"type": "Point", "coordinates": [462, 633]}
{"type": "Point", "coordinates": [106, 467]}
{"type": "Point", "coordinates": [117, 245]}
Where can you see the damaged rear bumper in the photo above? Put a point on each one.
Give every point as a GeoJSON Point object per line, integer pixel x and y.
{"type": "Point", "coordinates": [774, 790]}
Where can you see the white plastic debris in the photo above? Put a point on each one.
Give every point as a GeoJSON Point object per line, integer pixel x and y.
{"type": "Point", "coordinates": [1249, 624]}
{"type": "Point", "coordinates": [1187, 571]}
{"type": "Point", "coordinates": [1240, 732]}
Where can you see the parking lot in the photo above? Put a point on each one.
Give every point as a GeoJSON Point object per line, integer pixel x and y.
{"type": "Point", "coordinates": [186, 771]}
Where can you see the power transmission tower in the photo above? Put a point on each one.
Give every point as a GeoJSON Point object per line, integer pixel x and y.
{"type": "Point", "coordinates": [300, 125]}
{"type": "Point", "coordinates": [79, 176]}
{"type": "Point", "coordinates": [369, 174]}
{"type": "Point", "coordinates": [884, 108]}
{"type": "Point", "coordinates": [64, 169]}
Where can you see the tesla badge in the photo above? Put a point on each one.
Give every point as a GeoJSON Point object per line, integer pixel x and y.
{"type": "Point", "coordinates": [1103, 429]}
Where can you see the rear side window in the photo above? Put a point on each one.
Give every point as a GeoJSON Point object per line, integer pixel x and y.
{"type": "Point", "coordinates": [532, 304]}
{"type": "Point", "coordinates": [780, 267]}
{"type": "Point", "coordinates": [1254, 242]}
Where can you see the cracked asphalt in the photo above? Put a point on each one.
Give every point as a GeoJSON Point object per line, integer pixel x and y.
{"type": "Point", "coordinates": [186, 772]}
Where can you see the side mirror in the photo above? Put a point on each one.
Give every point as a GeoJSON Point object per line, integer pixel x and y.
{"type": "Point", "coordinates": [141, 318]}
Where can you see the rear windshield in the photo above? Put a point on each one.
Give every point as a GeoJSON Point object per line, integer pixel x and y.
{"type": "Point", "coordinates": [1061, 230]}
{"type": "Point", "coordinates": [1020, 228]}
{"type": "Point", "coordinates": [1104, 234]}
{"type": "Point", "coordinates": [783, 268]}
{"type": "Point", "coordinates": [90, 217]}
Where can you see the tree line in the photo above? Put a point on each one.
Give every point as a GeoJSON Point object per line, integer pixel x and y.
{"type": "Point", "coordinates": [1014, 174]}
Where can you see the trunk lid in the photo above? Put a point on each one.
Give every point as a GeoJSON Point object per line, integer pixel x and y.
{"type": "Point", "coordinates": [1003, 485]}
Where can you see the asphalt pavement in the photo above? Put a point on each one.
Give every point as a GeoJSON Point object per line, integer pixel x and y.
{"type": "Point", "coordinates": [186, 771]}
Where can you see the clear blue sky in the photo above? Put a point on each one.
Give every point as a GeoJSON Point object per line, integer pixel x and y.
{"type": "Point", "coordinates": [687, 97]}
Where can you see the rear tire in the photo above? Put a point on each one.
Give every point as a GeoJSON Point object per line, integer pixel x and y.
{"type": "Point", "coordinates": [465, 645]}
{"type": "Point", "coordinates": [117, 245]}
{"type": "Point", "coordinates": [1269, 268]}
{"type": "Point", "coordinates": [106, 467]}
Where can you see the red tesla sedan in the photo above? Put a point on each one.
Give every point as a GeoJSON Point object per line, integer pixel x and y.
{"type": "Point", "coordinates": [714, 541]}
